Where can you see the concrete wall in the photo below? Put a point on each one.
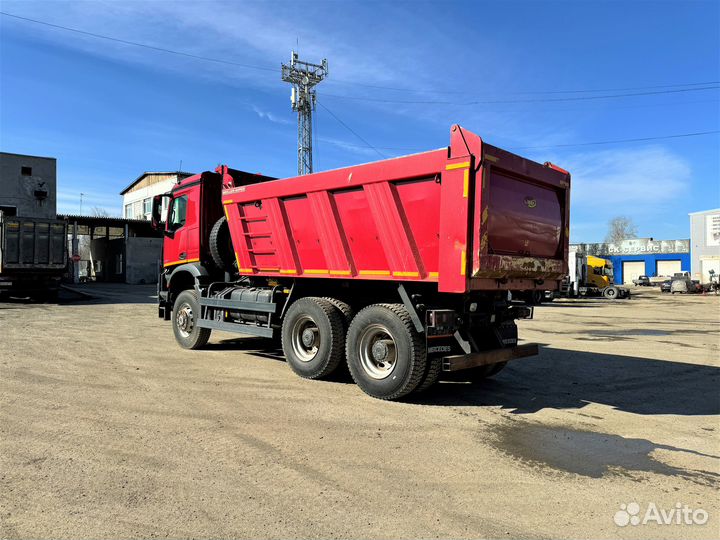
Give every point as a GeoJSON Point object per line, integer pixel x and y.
{"type": "Point", "coordinates": [705, 241]}
{"type": "Point", "coordinates": [34, 194]}
{"type": "Point", "coordinates": [142, 256]}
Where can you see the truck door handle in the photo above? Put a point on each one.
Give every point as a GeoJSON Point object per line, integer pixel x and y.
{"type": "Point", "coordinates": [182, 256]}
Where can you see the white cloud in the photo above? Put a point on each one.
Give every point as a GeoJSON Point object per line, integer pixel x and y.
{"type": "Point", "coordinates": [267, 115]}
{"type": "Point", "coordinates": [627, 181]}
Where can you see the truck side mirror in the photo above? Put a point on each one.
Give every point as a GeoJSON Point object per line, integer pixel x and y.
{"type": "Point", "coordinates": [156, 210]}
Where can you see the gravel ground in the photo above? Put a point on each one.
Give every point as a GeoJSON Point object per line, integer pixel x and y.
{"type": "Point", "coordinates": [108, 429]}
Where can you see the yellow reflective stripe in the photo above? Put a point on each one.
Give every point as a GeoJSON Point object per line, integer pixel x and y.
{"type": "Point", "coordinates": [181, 262]}
{"type": "Point", "coordinates": [463, 262]}
{"type": "Point", "coordinates": [288, 271]}
{"type": "Point", "coordinates": [452, 167]}
{"type": "Point", "coordinates": [374, 272]}
{"type": "Point", "coordinates": [406, 274]}
{"type": "Point", "coordinates": [339, 272]}
{"type": "Point", "coordinates": [315, 271]}
{"type": "Point", "coordinates": [466, 183]}
{"type": "Point", "coordinates": [245, 270]}
{"type": "Point", "coordinates": [434, 274]}
{"type": "Point", "coordinates": [229, 201]}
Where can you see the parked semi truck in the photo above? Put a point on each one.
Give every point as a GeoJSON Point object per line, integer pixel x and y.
{"type": "Point", "coordinates": [33, 256]}
{"type": "Point", "coordinates": [589, 275]}
{"type": "Point", "coordinates": [402, 268]}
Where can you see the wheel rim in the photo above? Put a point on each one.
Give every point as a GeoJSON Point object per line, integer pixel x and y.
{"type": "Point", "coordinates": [378, 353]}
{"type": "Point", "coordinates": [184, 320]}
{"type": "Point", "coordinates": [305, 338]}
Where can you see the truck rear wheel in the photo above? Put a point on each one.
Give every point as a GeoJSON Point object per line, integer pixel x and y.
{"type": "Point", "coordinates": [313, 337]}
{"type": "Point", "coordinates": [385, 353]}
{"type": "Point", "coordinates": [186, 312]}
{"type": "Point", "coordinates": [611, 293]}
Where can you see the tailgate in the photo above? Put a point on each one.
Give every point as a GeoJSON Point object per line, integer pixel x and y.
{"type": "Point", "coordinates": [523, 227]}
{"type": "Point", "coordinates": [32, 244]}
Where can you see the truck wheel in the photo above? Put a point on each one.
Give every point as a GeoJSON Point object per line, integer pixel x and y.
{"type": "Point", "coordinates": [611, 293]}
{"type": "Point", "coordinates": [347, 311]}
{"type": "Point", "coordinates": [220, 243]}
{"type": "Point", "coordinates": [432, 373]}
{"type": "Point", "coordinates": [313, 338]}
{"type": "Point", "coordinates": [186, 311]}
{"type": "Point", "coordinates": [386, 355]}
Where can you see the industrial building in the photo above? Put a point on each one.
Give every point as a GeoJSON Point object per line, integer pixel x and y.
{"type": "Point", "coordinates": [138, 196]}
{"type": "Point", "coordinates": [705, 242]}
{"type": "Point", "coordinates": [28, 185]}
{"type": "Point", "coordinates": [642, 257]}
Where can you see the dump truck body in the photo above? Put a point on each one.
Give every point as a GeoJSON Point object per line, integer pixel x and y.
{"type": "Point", "coordinates": [33, 255]}
{"type": "Point", "coordinates": [403, 268]}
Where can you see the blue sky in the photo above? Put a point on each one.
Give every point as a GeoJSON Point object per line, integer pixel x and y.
{"type": "Point", "coordinates": [109, 111]}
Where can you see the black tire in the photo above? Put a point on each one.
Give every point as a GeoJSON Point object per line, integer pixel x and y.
{"type": "Point", "coordinates": [432, 373]}
{"type": "Point", "coordinates": [347, 311]}
{"type": "Point", "coordinates": [611, 293]}
{"type": "Point", "coordinates": [313, 337]}
{"type": "Point", "coordinates": [184, 320]}
{"type": "Point", "coordinates": [386, 355]}
{"type": "Point", "coordinates": [220, 244]}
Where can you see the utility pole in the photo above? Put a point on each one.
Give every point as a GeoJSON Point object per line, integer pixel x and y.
{"type": "Point", "coordinates": [304, 76]}
{"type": "Point", "coordinates": [81, 198]}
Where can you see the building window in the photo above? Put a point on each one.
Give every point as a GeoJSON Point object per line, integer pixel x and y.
{"type": "Point", "coordinates": [147, 207]}
{"type": "Point", "coordinates": [26, 171]}
{"type": "Point", "coordinates": [128, 211]}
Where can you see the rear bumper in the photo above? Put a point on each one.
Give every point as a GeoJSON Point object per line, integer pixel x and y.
{"type": "Point", "coordinates": [485, 358]}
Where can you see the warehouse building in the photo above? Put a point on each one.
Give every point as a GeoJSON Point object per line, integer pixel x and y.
{"type": "Point", "coordinates": [705, 241]}
{"type": "Point", "coordinates": [138, 196]}
{"type": "Point", "coordinates": [28, 185]}
{"type": "Point", "coordinates": [642, 257]}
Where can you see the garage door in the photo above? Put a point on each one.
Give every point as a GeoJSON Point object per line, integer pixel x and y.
{"type": "Point", "coordinates": [632, 270]}
{"type": "Point", "coordinates": [668, 268]}
{"type": "Point", "coordinates": [706, 265]}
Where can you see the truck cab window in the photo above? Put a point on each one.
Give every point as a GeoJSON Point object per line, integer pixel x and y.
{"type": "Point", "coordinates": [177, 213]}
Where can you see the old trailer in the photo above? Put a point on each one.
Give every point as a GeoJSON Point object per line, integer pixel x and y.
{"type": "Point", "coordinates": [403, 268]}
{"type": "Point", "coordinates": [33, 256]}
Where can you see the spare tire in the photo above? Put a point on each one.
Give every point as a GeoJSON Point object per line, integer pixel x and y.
{"type": "Point", "coordinates": [221, 248]}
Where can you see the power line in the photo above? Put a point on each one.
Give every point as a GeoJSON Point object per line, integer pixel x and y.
{"type": "Point", "coordinates": [640, 139]}
{"type": "Point", "coordinates": [379, 87]}
{"type": "Point", "coordinates": [615, 141]}
{"type": "Point", "coordinates": [137, 44]}
{"type": "Point", "coordinates": [507, 101]}
{"type": "Point", "coordinates": [351, 130]}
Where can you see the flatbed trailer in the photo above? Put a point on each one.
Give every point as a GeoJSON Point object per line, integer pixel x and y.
{"type": "Point", "coordinates": [404, 267]}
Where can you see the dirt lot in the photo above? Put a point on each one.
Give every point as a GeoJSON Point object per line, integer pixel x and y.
{"type": "Point", "coordinates": [108, 429]}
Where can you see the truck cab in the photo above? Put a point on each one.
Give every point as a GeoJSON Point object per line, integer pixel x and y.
{"type": "Point", "coordinates": [599, 272]}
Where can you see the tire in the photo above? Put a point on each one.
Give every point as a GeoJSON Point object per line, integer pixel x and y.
{"type": "Point", "coordinates": [611, 293]}
{"type": "Point", "coordinates": [432, 374]}
{"type": "Point", "coordinates": [184, 320]}
{"type": "Point", "coordinates": [347, 311]}
{"type": "Point", "coordinates": [386, 355]}
{"type": "Point", "coordinates": [313, 337]}
{"type": "Point", "coordinates": [220, 244]}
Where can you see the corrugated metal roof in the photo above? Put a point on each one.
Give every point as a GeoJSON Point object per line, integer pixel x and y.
{"type": "Point", "coordinates": [183, 174]}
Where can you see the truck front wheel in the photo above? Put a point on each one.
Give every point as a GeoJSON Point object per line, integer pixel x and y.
{"type": "Point", "coordinates": [313, 338]}
{"type": "Point", "coordinates": [186, 311]}
{"type": "Point", "coordinates": [385, 353]}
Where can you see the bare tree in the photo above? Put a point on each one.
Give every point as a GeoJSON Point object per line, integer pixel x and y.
{"type": "Point", "coordinates": [100, 212]}
{"type": "Point", "coordinates": [620, 228]}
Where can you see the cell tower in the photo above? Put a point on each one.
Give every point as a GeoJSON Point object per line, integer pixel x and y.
{"type": "Point", "coordinates": [304, 77]}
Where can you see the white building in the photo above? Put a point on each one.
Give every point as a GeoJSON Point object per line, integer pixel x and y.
{"type": "Point", "coordinates": [705, 242]}
{"type": "Point", "coordinates": [138, 196]}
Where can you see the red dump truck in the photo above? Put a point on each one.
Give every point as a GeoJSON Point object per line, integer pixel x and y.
{"type": "Point", "coordinates": [403, 268]}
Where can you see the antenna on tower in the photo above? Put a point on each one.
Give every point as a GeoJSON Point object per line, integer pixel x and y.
{"type": "Point", "coordinates": [304, 77]}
